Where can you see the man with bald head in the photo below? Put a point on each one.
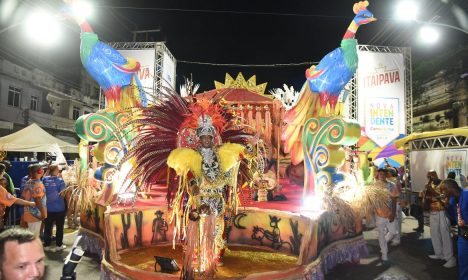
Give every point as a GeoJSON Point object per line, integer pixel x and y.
{"type": "Point", "coordinates": [21, 255]}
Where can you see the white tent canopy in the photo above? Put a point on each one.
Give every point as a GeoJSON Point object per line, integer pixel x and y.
{"type": "Point", "coordinates": [35, 139]}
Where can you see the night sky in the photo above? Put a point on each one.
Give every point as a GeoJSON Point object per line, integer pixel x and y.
{"type": "Point", "coordinates": [231, 32]}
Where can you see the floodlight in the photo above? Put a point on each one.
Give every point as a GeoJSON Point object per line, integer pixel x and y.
{"type": "Point", "coordinates": [43, 28]}
{"type": "Point", "coordinates": [82, 9]}
{"type": "Point", "coordinates": [429, 34]}
{"type": "Point", "coordinates": [406, 10]}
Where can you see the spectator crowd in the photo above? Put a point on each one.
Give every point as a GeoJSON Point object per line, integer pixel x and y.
{"type": "Point", "coordinates": [446, 204]}
{"type": "Point", "coordinates": [42, 200]}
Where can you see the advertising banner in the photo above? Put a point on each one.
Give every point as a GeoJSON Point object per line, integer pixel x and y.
{"type": "Point", "coordinates": [381, 95]}
{"type": "Point", "coordinates": [455, 161]}
{"type": "Point", "coordinates": [146, 73]}
{"type": "Point", "coordinates": [382, 119]}
{"type": "Point", "coordinates": [441, 161]}
{"type": "Point", "coordinates": [168, 71]}
{"type": "Point", "coordinates": [421, 163]}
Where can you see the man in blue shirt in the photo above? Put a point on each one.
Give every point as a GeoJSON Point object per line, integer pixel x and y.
{"type": "Point", "coordinates": [461, 203]}
{"type": "Point", "coordinates": [54, 185]}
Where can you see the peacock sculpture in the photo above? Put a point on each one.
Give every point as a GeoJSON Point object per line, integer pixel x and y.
{"type": "Point", "coordinates": [336, 68]}
{"type": "Point", "coordinates": [324, 84]}
{"type": "Point", "coordinates": [116, 74]}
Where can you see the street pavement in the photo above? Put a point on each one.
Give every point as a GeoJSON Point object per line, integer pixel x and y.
{"type": "Point", "coordinates": [408, 261]}
{"type": "Point", "coordinates": [88, 268]}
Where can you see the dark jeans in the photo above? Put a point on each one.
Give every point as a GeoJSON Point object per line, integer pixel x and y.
{"type": "Point", "coordinates": [418, 212]}
{"type": "Point", "coordinates": [462, 258]}
{"type": "Point", "coordinates": [59, 219]}
{"type": "Point", "coordinates": [419, 215]}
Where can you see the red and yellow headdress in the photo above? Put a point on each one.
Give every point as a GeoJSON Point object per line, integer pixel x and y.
{"type": "Point", "coordinates": [203, 112]}
{"type": "Point", "coordinates": [205, 118]}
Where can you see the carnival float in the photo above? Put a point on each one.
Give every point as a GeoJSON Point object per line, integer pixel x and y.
{"type": "Point", "coordinates": [167, 184]}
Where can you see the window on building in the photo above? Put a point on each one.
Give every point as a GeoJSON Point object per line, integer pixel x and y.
{"type": "Point", "coordinates": [14, 96]}
{"type": "Point", "coordinates": [34, 102]}
{"type": "Point", "coordinates": [87, 90]}
{"type": "Point", "coordinates": [97, 90]}
{"type": "Point", "coordinates": [76, 112]}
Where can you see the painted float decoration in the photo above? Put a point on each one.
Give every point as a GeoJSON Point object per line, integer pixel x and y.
{"type": "Point", "coordinates": [315, 129]}
{"type": "Point", "coordinates": [133, 143]}
{"type": "Point", "coordinates": [323, 139]}
{"type": "Point", "coordinates": [107, 129]}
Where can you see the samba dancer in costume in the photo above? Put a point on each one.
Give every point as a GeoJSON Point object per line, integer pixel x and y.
{"type": "Point", "coordinates": [210, 173]}
{"type": "Point", "coordinates": [203, 144]}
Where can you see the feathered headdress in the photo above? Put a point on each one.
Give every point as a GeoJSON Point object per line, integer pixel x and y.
{"type": "Point", "coordinates": [206, 118]}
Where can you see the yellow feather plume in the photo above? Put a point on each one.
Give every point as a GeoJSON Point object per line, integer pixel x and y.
{"type": "Point", "coordinates": [183, 159]}
{"type": "Point", "coordinates": [229, 155]}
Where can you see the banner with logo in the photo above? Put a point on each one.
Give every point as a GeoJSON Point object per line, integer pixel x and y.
{"type": "Point", "coordinates": [146, 73]}
{"type": "Point", "coordinates": [441, 161]}
{"type": "Point", "coordinates": [455, 161]}
{"type": "Point", "coordinates": [381, 95]}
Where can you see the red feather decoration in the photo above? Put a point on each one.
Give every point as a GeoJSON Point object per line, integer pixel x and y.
{"type": "Point", "coordinates": [157, 129]}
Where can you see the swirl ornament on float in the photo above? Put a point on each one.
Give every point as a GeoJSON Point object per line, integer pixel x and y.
{"type": "Point", "coordinates": [109, 152]}
{"type": "Point", "coordinates": [105, 173]}
{"type": "Point", "coordinates": [101, 127]}
{"type": "Point", "coordinates": [323, 154]}
{"type": "Point", "coordinates": [94, 127]}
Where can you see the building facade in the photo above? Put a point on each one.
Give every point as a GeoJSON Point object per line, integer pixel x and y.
{"type": "Point", "coordinates": [442, 102]}
{"type": "Point", "coordinates": [29, 95]}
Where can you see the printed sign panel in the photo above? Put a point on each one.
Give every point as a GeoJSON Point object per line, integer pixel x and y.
{"type": "Point", "coordinates": [441, 161]}
{"type": "Point", "coordinates": [381, 95]}
{"type": "Point", "coordinates": [455, 161]}
{"type": "Point", "coordinates": [168, 71]}
{"type": "Point", "coordinates": [382, 119]}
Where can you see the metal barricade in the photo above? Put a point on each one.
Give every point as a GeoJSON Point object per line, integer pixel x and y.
{"type": "Point", "coordinates": [14, 214]}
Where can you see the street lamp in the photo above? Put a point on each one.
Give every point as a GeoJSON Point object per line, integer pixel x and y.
{"type": "Point", "coordinates": [82, 9]}
{"type": "Point", "coordinates": [429, 34]}
{"type": "Point", "coordinates": [43, 26]}
{"type": "Point", "coordinates": [40, 26]}
{"type": "Point", "coordinates": [408, 10]}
